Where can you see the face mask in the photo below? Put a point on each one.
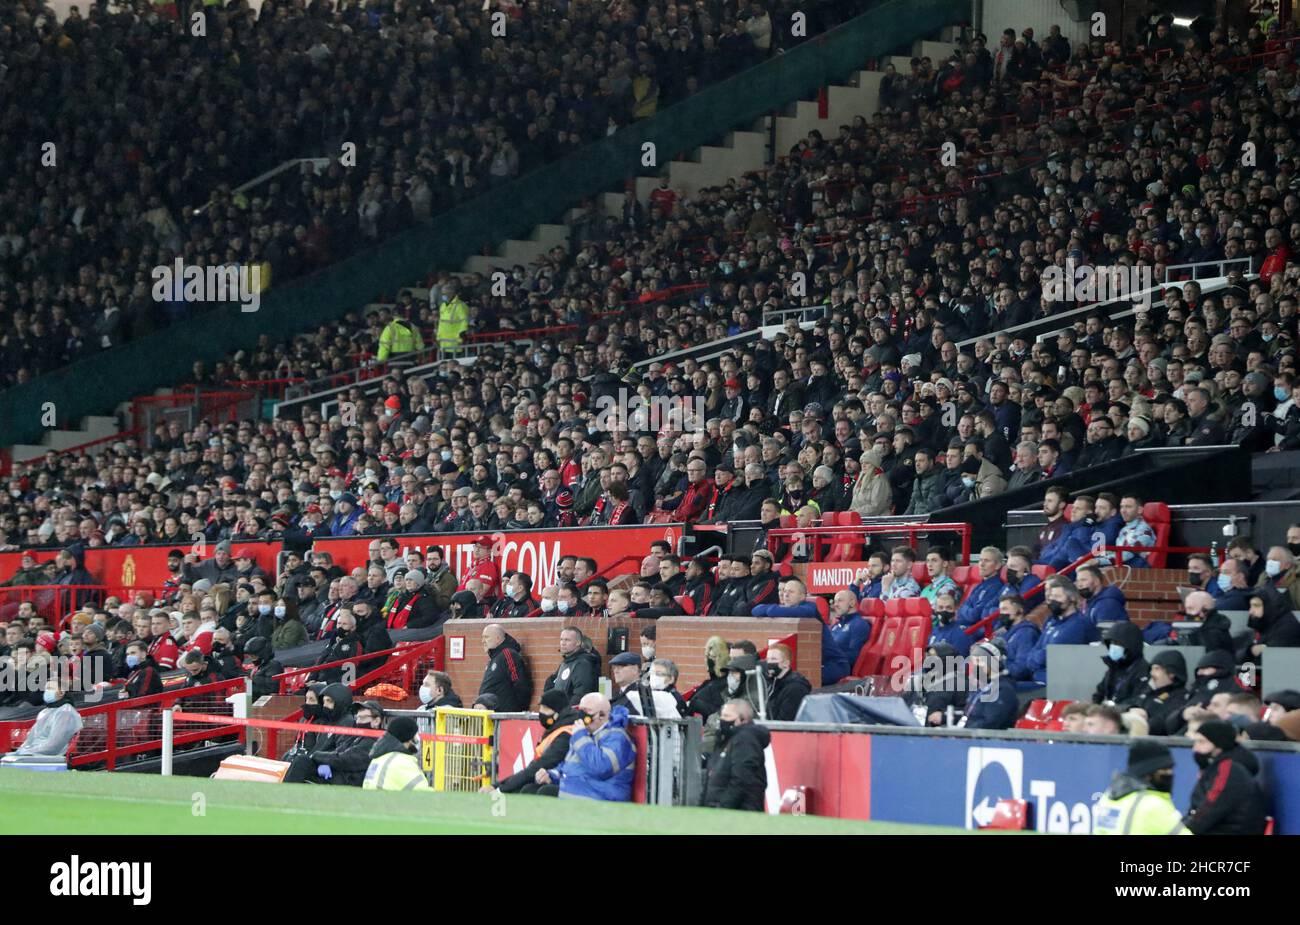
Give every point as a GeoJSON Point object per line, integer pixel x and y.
{"type": "Point", "coordinates": [658, 682]}
{"type": "Point", "coordinates": [771, 669]}
{"type": "Point", "coordinates": [50, 696]}
{"type": "Point", "coordinates": [264, 609]}
{"type": "Point", "coordinates": [1294, 547]}
{"type": "Point", "coordinates": [733, 683]}
{"type": "Point", "coordinates": [562, 606]}
{"type": "Point", "coordinates": [1163, 782]}
{"type": "Point", "coordinates": [648, 653]}
{"type": "Point", "coordinates": [336, 495]}
{"type": "Point", "coordinates": [1272, 568]}
{"type": "Point", "coordinates": [1085, 593]}
{"type": "Point", "coordinates": [1225, 581]}
{"type": "Point", "coordinates": [548, 604]}
{"type": "Point", "coordinates": [445, 454]}
{"type": "Point", "coordinates": [311, 710]}
{"type": "Point", "coordinates": [968, 481]}
{"type": "Point", "coordinates": [133, 661]}
{"type": "Point", "coordinates": [1013, 577]}
{"type": "Point", "coordinates": [725, 728]}
{"type": "Point", "coordinates": [426, 695]}
{"type": "Point", "coordinates": [1116, 652]}
{"type": "Point", "coordinates": [945, 616]}
{"type": "Point", "coordinates": [1056, 608]}
{"type": "Point", "coordinates": [1202, 761]}
{"type": "Point", "coordinates": [546, 721]}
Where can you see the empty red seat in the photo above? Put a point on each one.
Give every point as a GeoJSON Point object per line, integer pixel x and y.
{"type": "Point", "coordinates": [848, 550]}
{"type": "Point", "coordinates": [1156, 513]}
{"type": "Point", "coordinates": [1042, 572]}
{"type": "Point", "coordinates": [921, 573]}
{"type": "Point", "coordinates": [871, 607]}
{"type": "Point", "coordinates": [907, 649]}
{"type": "Point", "coordinates": [823, 608]}
{"type": "Point", "coordinates": [966, 575]}
{"type": "Point", "coordinates": [872, 656]}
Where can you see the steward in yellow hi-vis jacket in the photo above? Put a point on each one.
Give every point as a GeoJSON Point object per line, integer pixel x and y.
{"type": "Point", "coordinates": [1137, 802]}
{"type": "Point", "coordinates": [399, 336]}
{"type": "Point", "coordinates": [394, 764]}
{"type": "Point", "coordinates": [453, 318]}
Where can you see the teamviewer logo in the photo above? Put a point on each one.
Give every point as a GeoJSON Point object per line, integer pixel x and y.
{"type": "Point", "coordinates": [992, 774]}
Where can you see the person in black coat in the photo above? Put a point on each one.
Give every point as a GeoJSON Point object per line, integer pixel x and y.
{"type": "Point", "coordinates": [372, 632]}
{"type": "Point", "coordinates": [414, 607]}
{"type": "Point", "coordinates": [736, 774]}
{"type": "Point", "coordinates": [259, 653]}
{"type": "Point", "coordinates": [344, 643]}
{"type": "Point", "coordinates": [506, 676]}
{"type": "Point", "coordinates": [788, 688]}
{"type": "Point", "coordinates": [1227, 799]}
{"type": "Point", "coordinates": [144, 678]}
{"type": "Point", "coordinates": [557, 717]}
{"type": "Point", "coordinates": [1271, 617]}
{"type": "Point", "coordinates": [1166, 693]}
{"type": "Point", "coordinates": [579, 667]}
{"type": "Point", "coordinates": [1215, 673]}
{"type": "Point", "coordinates": [223, 659]}
{"type": "Point", "coordinates": [709, 696]}
{"type": "Point", "coordinates": [1126, 670]}
{"type": "Point", "coordinates": [345, 759]}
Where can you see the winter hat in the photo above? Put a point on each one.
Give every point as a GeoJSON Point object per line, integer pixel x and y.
{"type": "Point", "coordinates": [1221, 735]}
{"type": "Point", "coordinates": [415, 575]}
{"type": "Point", "coordinates": [1146, 757]}
{"type": "Point", "coordinates": [556, 700]}
{"type": "Point", "coordinates": [564, 499]}
{"type": "Point", "coordinates": [403, 728]}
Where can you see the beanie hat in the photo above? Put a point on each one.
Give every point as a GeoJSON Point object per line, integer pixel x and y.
{"type": "Point", "coordinates": [1146, 756]}
{"type": "Point", "coordinates": [1221, 735]}
{"type": "Point", "coordinates": [403, 728]}
{"type": "Point", "coordinates": [555, 700]}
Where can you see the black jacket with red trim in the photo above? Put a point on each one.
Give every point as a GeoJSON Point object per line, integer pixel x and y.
{"type": "Point", "coordinates": [1226, 799]}
{"type": "Point", "coordinates": [507, 677]}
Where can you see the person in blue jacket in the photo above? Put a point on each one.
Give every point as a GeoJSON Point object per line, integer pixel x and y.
{"type": "Point", "coordinates": [1108, 519]}
{"type": "Point", "coordinates": [1019, 637]}
{"type": "Point", "coordinates": [1231, 589]}
{"type": "Point", "coordinates": [1075, 540]}
{"type": "Point", "coordinates": [796, 603]}
{"type": "Point", "coordinates": [1103, 603]}
{"type": "Point", "coordinates": [867, 583]}
{"type": "Point", "coordinates": [849, 632]}
{"type": "Point", "coordinates": [949, 630]}
{"type": "Point", "coordinates": [601, 761]}
{"type": "Point", "coordinates": [1066, 624]}
{"type": "Point", "coordinates": [992, 703]}
{"type": "Point", "coordinates": [1020, 573]}
{"type": "Point", "coordinates": [983, 598]}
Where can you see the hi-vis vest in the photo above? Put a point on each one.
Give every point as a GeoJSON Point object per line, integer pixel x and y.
{"type": "Point", "coordinates": [453, 321]}
{"type": "Point", "coordinates": [1142, 812]}
{"type": "Point", "coordinates": [399, 336]}
{"type": "Point", "coordinates": [395, 771]}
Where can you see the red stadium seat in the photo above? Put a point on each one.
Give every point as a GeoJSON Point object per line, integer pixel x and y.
{"type": "Point", "coordinates": [1042, 572]}
{"type": "Point", "coordinates": [823, 608]}
{"type": "Point", "coordinates": [885, 634]}
{"type": "Point", "coordinates": [1156, 513]}
{"type": "Point", "coordinates": [871, 607]}
{"type": "Point", "coordinates": [966, 575]}
{"type": "Point", "coordinates": [1044, 714]}
{"type": "Point", "coordinates": [921, 573]}
{"type": "Point", "coordinates": [847, 551]}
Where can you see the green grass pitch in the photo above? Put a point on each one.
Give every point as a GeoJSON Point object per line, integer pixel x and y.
{"type": "Point", "coordinates": [121, 804]}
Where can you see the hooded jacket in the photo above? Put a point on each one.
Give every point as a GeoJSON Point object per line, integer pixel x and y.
{"type": "Point", "coordinates": [1278, 626]}
{"type": "Point", "coordinates": [347, 755]}
{"type": "Point", "coordinates": [1203, 689]}
{"type": "Point", "coordinates": [736, 774]}
{"type": "Point", "coordinates": [1164, 705]}
{"type": "Point", "coordinates": [872, 494]}
{"type": "Point", "coordinates": [576, 675]}
{"type": "Point", "coordinates": [507, 678]}
{"type": "Point", "coordinates": [709, 697]}
{"type": "Point", "coordinates": [1126, 679]}
{"type": "Point", "coordinates": [1226, 799]}
{"type": "Point", "coordinates": [1108, 605]}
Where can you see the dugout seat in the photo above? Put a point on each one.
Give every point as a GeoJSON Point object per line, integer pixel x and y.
{"type": "Point", "coordinates": [1044, 714]}
{"type": "Point", "coordinates": [1156, 513]}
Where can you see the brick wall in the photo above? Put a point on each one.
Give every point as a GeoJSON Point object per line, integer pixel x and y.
{"type": "Point", "coordinates": [681, 639]}
{"type": "Point", "coordinates": [1152, 594]}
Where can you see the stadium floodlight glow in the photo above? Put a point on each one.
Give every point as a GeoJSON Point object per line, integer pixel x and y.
{"type": "Point", "coordinates": [1182, 21]}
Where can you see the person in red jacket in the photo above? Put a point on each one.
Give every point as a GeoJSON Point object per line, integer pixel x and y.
{"type": "Point", "coordinates": [162, 647]}
{"type": "Point", "coordinates": [694, 502]}
{"type": "Point", "coordinates": [483, 568]}
{"type": "Point", "coordinates": [1278, 255]}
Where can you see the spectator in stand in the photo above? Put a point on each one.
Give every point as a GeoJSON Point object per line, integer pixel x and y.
{"type": "Point", "coordinates": [601, 761]}
{"type": "Point", "coordinates": [1215, 672]}
{"type": "Point", "coordinates": [736, 772]}
{"type": "Point", "coordinates": [938, 565]}
{"type": "Point", "coordinates": [506, 676]}
{"type": "Point", "coordinates": [1231, 589]}
{"type": "Point", "coordinates": [898, 582]}
{"type": "Point", "coordinates": [1020, 574]}
{"type": "Point", "coordinates": [1075, 540]}
{"type": "Point", "coordinates": [197, 668]}
{"type": "Point", "coordinates": [1019, 637]}
{"type": "Point", "coordinates": [1065, 625]}
{"type": "Point", "coordinates": [1280, 573]}
{"type": "Point", "coordinates": [1135, 532]}
{"type": "Point", "coordinates": [1271, 617]}
{"type": "Point", "coordinates": [1074, 718]}
{"type": "Point", "coordinates": [579, 666]}
{"type": "Point", "coordinates": [144, 678]}
{"type": "Point", "coordinates": [1055, 510]}
{"type": "Point", "coordinates": [436, 691]}
{"type": "Point", "coordinates": [849, 632]}
{"type": "Point", "coordinates": [482, 568]}
{"type": "Point", "coordinates": [992, 703]}
{"type": "Point", "coordinates": [868, 580]}
{"type": "Point", "coordinates": [787, 688]}
{"type": "Point", "coordinates": [414, 607]}
{"type": "Point", "coordinates": [983, 598]}
{"type": "Point", "coordinates": [1127, 671]}
{"type": "Point", "coordinates": [518, 599]}
{"type": "Point", "coordinates": [1166, 693]}
{"type": "Point", "coordinates": [1244, 553]}
{"type": "Point", "coordinates": [162, 647]}
{"type": "Point", "coordinates": [342, 643]}
{"type": "Point", "coordinates": [947, 631]}
{"type": "Point", "coordinates": [1102, 603]}
{"type": "Point", "coordinates": [1109, 520]}
{"type": "Point", "coordinates": [1226, 800]}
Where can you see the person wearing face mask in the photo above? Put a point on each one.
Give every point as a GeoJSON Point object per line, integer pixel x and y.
{"type": "Point", "coordinates": [144, 678]}
{"type": "Point", "coordinates": [1227, 799]}
{"type": "Point", "coordinates": [947, 630]}
{"type": "Point", "coordinates": [601, 761]}
{"type": "Point", "coordinates": [1019, 638]}
{"type": "Point", "coordinates": [289, 631]}
{"type": "Point", "coordinates": [736, 773]}
{"type": "Point", "coordinates": [1281, 574]}
{"type": "Point", "coordinates": [56, 724]}
{"type": "Point", "coordinates": [337, 757]}
{"type": "Point", "coordinates": [518, 601]}
{"type": "Point", "coordinates": [1138, 800]}
{"type": "Point", "coordinates": [557, 718]}
{"type": "Point", "coordinates": [343, 644]}
{"type": "Point", "coordinates": [436, 691]}
{"type": "Point", "coordinates": [395, 759]}
{"type": "Point", "coordinates": [1127, 671]}
{"type": "Point", "coordinates": [259, 654]}
{"type": "Point", "coordinates": [223, 659]}
{"type": "Point", "coordinates": [657, 695]}
{"type": "Point", "coordinates": [786, 688]}
{"type": "Point", "coordinates": [1065, 625]}
{"type": "Point", "coordinates": [579, 668]}
{"type": "Point", "coordinates": [992, 703]}
{"type": "Point", "coordinates": [1166, 691]}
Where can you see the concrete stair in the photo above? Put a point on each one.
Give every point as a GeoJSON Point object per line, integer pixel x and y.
{"type": "Point", "coordinates": [93, 427]}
